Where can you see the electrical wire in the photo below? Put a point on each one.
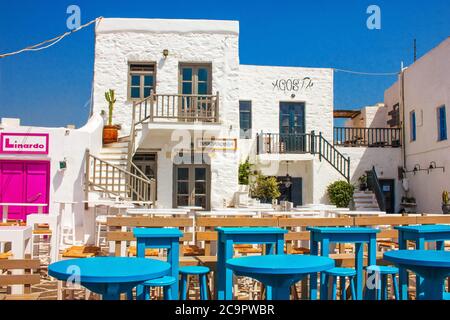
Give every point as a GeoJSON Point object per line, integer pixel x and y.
{"type": "Point", "coordinates": [367, 73]}
{"type": "Point", "coordinates": [53, 41]}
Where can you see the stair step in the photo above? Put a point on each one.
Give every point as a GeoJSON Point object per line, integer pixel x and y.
{"type": "Point", "coordinates": [113, 156]}
{"type": "Point", "coordinates": [123, 144]}
{"type": "Point", "coordinates": [106, 151]}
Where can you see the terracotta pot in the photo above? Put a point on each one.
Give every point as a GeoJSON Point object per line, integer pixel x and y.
{"type": "Point", "coordinates": [110, 134]}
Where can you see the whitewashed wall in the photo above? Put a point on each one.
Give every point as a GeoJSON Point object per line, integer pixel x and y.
{"type": "Point", "coordinates": [427, 87]}
{"type": "Point", "coordinates": [66, 185]}
{"type": "Point", "coordinates": [119, 41]}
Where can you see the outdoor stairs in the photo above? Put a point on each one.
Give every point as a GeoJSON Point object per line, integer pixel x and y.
{"type": "Point", "coordinates": [365, 201]}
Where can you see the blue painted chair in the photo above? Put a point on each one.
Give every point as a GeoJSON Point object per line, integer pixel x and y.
{"type": "Point", "coordinates": [199, 271]}
{"type": "Point", "coordinates": [342, 273]}
{"type": "Point", "coordinates": [165, 282]}
{"type": "Point", "coordinates": [383, 274]}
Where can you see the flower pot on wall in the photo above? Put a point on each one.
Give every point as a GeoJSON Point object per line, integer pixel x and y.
{"type": "Point", "coordinates": [446, 208]}
{"type": "Point", "coordinates": [110, 134]}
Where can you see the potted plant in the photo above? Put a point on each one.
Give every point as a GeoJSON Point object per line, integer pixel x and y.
{"type": "Point", "coordinates": [265, 189]}
{"type": "Point", "coordinates": [445, 203]}
{"type": "Point", "coordinates": [245, 172]}
{"type": "Point", "coordinates": [340, 193]}
{"type": "Point", "coordinates": [110, 131]}
{"type": "Point", "coordinates": [363, 182]}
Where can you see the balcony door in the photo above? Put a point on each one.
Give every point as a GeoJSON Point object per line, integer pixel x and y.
{"type": "Point", "coordinates": [195, 89]}
{"type": "Point", "coordinates": [292, 127]}
{"type": "Point", "coordinates": [192, 185]}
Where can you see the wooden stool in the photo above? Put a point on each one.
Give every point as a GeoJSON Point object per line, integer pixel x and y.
{"type": "Point", "coordinates": [201, 271]}
{"type": "Point", "coordinates": [381, 286]}
{"type": "Point", "coordinates": [342, 273]}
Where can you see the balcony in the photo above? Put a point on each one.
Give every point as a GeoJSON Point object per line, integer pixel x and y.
{"type": "Point", "coordinates": [367, 137]}
{"type": "Point", "coordinates": [275, 143]}
{"type": "Point", "coordinates": [177, 108]}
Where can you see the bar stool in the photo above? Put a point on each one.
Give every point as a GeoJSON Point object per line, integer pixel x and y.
{"type": "Point", "coordinates": [382, 273]}
{"type": "Point", "coordinates": [165, 282]}
{"type": "Point", "coordinates": [201, 271]}
{"type": "Point", "coordinates": [342, 273]}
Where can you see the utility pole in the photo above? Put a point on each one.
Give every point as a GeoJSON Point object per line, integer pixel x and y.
{"type": "Point", "coordinates": [402, 110]}
{"type": "Point", "coordinates": [415, 50]}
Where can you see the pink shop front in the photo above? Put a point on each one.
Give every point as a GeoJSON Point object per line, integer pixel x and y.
{"type": "Point", "coordinates": [24, 174]}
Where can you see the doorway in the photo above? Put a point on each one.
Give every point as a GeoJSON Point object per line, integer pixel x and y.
{"type": "Point", "coordinates": [195, 85]}
{"type": "Point", "coordinates": [292, 127]}
{"type": "Point", "coordinates": [192, 185]}
{"type": "Point", "coordinates": [24, 182]}
{"type": "Point", "coordinates": [292, 193]}
{"type": "Point", "coordinates": [388, 189]}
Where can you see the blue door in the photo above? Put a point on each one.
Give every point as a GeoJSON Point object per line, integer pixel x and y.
{"type": "Point", "coordinates": [292, 127]}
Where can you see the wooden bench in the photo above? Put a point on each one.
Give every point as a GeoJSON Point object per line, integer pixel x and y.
{"type": "Point", "coordinates": [30, 277]}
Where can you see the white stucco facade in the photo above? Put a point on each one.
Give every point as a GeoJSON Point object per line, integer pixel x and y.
{"type": "Point", "coordinates": [426, 88]}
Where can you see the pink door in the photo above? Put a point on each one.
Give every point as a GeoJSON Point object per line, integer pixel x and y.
{"type": "Point", "coordinates": [24, 182]}
{"type": "Point", "coordinates": [11, 186]}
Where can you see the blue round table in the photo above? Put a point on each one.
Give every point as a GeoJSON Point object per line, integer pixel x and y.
{"type": "Point", "coordinates": [108, 276]}
{"type": "Point", "coordinates": [433, 266]}
{"type": "Point", "coordinates": [279, 272]}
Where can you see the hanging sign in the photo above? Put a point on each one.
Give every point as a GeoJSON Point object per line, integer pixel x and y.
{"type": "Point", "coordinates": [24, 143]}
{"type": "Point", "coordinates": [217, 144]}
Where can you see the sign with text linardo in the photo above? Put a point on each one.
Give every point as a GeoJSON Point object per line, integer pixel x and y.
{"type": "Point", "coordinates": [24, 143]}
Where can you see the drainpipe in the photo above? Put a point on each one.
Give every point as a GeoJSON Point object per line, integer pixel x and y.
{"type": "Point", "coordinates": [402, 101]}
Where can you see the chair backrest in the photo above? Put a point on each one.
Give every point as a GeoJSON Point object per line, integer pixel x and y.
{"type": "Point", "coordinates": [291, 224]}
{"type": "Point", "coordinates": [388, 232]}
{"type": "Point", "coordinates": [30, 277]}
{"type": "Point", "coordinates": [118, 236]}
{"type": "Point", "coordinates": [209, 224]}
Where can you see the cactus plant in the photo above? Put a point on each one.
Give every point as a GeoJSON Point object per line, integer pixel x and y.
{"type": "Point", "coordinates": [445, 199]}
{"type": "Point", "coordinates": [110, 97]}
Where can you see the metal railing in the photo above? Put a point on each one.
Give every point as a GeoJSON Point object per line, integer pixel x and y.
{"type": "Point", "coordinates": [115, 181]}
{"type": "Point", "coordinates": [299, 143]}
{"type": "Point", "coordinates": [172, 108]}
{"type": "Point", "coordinates": [367, 137]}
{"type": "Point", "coordinates": [374, 184]}
{"type": "Point", "coordinates": [178, 108]}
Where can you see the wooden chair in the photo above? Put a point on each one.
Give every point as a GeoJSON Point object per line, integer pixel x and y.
{"type": "Point", "coordinates": [30, 277]}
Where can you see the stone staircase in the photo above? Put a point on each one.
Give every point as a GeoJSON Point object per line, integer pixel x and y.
{"type": "Point", "coordinates": [365, 201]}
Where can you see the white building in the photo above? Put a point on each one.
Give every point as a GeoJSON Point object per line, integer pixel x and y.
{"type": "Point", "coordinates": [423, 108]}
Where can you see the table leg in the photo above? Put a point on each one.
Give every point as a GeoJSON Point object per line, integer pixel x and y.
{"type": "Point", "coordinates": [372, 261]}
{"type": "Point", "coordinates": [420, 245]}
{"type": "Point", "coordinates": [140, 253]}
{"type": "Point", "coordinates": [314, 245]}
{"type": "Point", "coordinates": [432, 288]}
{"type": "Point", "coordinates": [228, 273]}
{"type": "Point", "coordinates": [173, 259]}
{"type": "Point", "coordinates": [280, 244]}
{"type": "Point", "coordinates": [220, 266]}
{"type": "Point", "coordinates": [280, 293]}
{"type": "Point", "coordinates": [323, 287]}
{"type": "Point", "coordinates": [403, 274]}
{"type": "Point", "coordinates": [112, 292]}
{"type": "Point", "coordinates": [359, 260]}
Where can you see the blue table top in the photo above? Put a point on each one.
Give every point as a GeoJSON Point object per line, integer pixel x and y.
{"type": "Point", "coordinates": [428, 258]}
{"type": "Point", "coordinates": [109, 269]}
{"type": "Point", "coordinates": [157, 232]}
{"type": "Point", "coordinates": [251, 230]}
{"type": "Point", "coordinates": [428, 228]}
{"type": "Point", "coordinates": [280, 264]}
{"type": "Point", "coordinates": [353, 230]}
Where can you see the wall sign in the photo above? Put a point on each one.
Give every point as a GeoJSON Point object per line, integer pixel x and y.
{"type": "Point", "coordinates": [24, 143]}
{"type": "Point", "coordinates": [218, 144]}
{"type": "Point", "coordinates": [292, 84]}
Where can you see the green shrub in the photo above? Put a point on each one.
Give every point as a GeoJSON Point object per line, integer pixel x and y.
{"type": "Point", "coordinates": [340, 193]}
{"type": "Point", "coordinates": [245, 171]}
{"type": "Point", "coordinates": [265, 188]}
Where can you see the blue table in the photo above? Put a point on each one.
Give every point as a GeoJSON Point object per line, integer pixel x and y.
{"type": "Point", "coordinates": [433, 266]}
{"type": "Point", "coordinates": [357, 235]}
{"type": "Point", "coordinates": [108, 276]}
{"type": "Point", "coordinates": [227, 237]}
{"type": "Point", "coordinates": [279, 272]}
{"type": "Point", "coordinates": [159, 238]}
{"type": "Point", "coordinates": [420, 234]}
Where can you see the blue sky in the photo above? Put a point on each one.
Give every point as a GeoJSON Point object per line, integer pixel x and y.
{"type": "Point", "coordinates": [53, 87]}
